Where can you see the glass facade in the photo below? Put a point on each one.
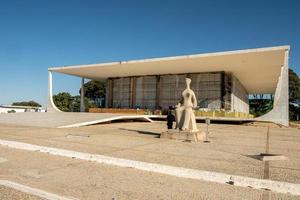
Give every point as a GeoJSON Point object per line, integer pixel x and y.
{"type": "Point", "coordinates": [121, 93]}
{"type": "Point", "coordinates": [145, 92]}
{"type": "Point", "coordinates": [207, 87]}
{"type": "Point", "coordinates": [213, 91]}
{"type": "Point", "coordinates": [171, 87]}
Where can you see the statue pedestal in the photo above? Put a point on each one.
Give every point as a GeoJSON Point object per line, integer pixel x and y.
{"type": "Point", "coordinates": [187, 136]}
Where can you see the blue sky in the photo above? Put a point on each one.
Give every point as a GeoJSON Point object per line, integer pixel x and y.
{"type": "Point", "coordinates": [36, 35]}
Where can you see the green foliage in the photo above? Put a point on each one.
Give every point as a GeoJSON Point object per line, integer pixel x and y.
{"type": "Point", "coordinates": [294, 95]}
{"type": "Point", "coordinates": [63, 101]}
{"type": "Point", "coordinates": [26, 103]}
{"type": "Point", "coordinates": [75, 104]}
{"type": "Point", "coordinates": [294, 86]}
{"type": "Point", "coordinates": [11, 111]}
{"type": "Point", "coordinates": [294, 112]}
{"type": "Point", "coordinates": [67, 103]}
{"type": "Point", "coordinates": [94, 91]}
{"type": "Point", "coordinates": [259, 106]}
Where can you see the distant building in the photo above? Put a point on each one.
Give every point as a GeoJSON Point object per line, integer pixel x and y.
{"type": "Point", "coordinates": [19, 109]}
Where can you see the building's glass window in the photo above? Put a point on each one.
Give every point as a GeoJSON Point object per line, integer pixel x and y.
{"type": "Point", "coordinates": [121, 93]}
{"type": "Point", "coordinates": [213, 91]}
{"type": "Point", "coordinates": [207, 87]}
{"type": "Point", "coordinates": [145, 92]}
{"type": "Point", "coordinates": [171, 87]}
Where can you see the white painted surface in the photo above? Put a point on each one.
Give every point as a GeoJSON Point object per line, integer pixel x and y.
{"type": "Point", "coordinates": [2, 160]}
{"type": "Point", "coordinates": [125, 117]}
{"type": "Point", "coordinates": [239, 97]}
{"type": "Point", "coordinates": [275, 186]}
{"type": "Point", "coordinates": [6, 110]}
{"type": "Point", "coordinates": [33, 191]}
{"type": "Point", "coordinates": [51, 107]}
{"type": "Point", "coordinates": [20, 109]}
{"type": "Point", "coordinates": [280, 112]}
{"type": "Point", "coordinates": [273, 158]}
{"type": "Point", "coordinates": [244, 64]}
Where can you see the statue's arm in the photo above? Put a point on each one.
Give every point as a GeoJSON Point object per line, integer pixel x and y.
{"type": "Point", "coordinates": [181, 100]}
{"type": "Point", "coordinates": [194, 100]}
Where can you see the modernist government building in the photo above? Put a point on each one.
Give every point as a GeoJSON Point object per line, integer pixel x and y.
{"type": "Point", "coordinates": [222, 81]}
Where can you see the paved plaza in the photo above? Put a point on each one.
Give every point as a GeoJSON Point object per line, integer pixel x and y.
{"type": "Point", "coordinates": [232, 150]}
{"type": "Point", "coordinates": [64, 119]}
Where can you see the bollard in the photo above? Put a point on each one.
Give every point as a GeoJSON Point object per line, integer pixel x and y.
{"type": "Point", "coordinates": [207, 121]}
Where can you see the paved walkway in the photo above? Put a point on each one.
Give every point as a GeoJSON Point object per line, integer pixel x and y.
{"type": "Point", "coordinates": [230, 151]}
{"type": "Point", "coordinates": [63, 119]}
{"type": "Point", "coordinates": [216, 177]}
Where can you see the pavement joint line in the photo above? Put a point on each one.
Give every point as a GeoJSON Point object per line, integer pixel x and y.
{"type": "Point", "coordinates": [217, 177]}
{"type": "Point", "coordinates": [33, 191]}
{"type": "Point", "coordinates": [266, 194]}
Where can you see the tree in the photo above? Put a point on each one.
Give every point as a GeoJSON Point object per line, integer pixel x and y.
{"type": "Point", "coordinates": [294, 86]}
{"type": "Point", "coordinates": [75, 104]}
{"type": "Point", "coordinates": [11, 111]}
{"type": "Point", "coordinates": [63, 101]}
{"type": "Point", "coordinates": [294, 112]}
{"type": "Point", "coordinates": [294, 95]}
{"type": "Point", "coordinates": [27, 103]}
{"type": "Point", "coordinates": [260, 105]}
{"type": "Point", "coordinates": [67, 103]}
{"type": "Point", "coordinates": [95, 92]}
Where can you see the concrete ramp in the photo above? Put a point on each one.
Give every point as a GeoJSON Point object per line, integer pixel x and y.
{"type": "Point", "coordinates": [65, 119]}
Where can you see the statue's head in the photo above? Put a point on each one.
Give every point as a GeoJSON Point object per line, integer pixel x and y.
{"type": "Point", "coordinates": [188, 81]}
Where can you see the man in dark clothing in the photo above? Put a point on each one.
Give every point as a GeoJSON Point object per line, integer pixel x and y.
{"type": "Point", "coordinates": [170, 118]}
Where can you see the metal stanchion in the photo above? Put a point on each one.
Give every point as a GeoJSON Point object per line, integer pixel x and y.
{"type": "Point", "coordinates": [207, 121]}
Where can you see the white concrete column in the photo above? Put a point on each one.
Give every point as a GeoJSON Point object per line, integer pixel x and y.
{"type": "Point", "coordinates": [82, 106]}
{"type": "Point", "coordinates": [51, 107]}
{"type": "Point", "coordinates": [280, 112]}
{"type": "Point", "coordinates": [232, 109]}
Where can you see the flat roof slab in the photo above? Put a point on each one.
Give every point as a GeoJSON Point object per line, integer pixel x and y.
{"type": "Point", "coordinates": [244, 64]}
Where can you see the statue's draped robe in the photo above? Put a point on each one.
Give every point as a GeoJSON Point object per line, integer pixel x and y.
{"type": "Point", "coordinates": [185, 116]}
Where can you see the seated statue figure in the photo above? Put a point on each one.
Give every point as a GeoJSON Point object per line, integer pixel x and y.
{"type": "Point", "coordinates": [184, 112]}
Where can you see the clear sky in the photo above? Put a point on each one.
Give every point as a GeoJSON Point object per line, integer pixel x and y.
{"type": "Point", "coordinates": [36, 35]}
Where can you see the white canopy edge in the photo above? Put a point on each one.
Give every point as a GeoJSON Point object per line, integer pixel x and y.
{"type": "Point", "coordinates": [257, 69]}
{"type": "Point", "coordinates": [222, 53]}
